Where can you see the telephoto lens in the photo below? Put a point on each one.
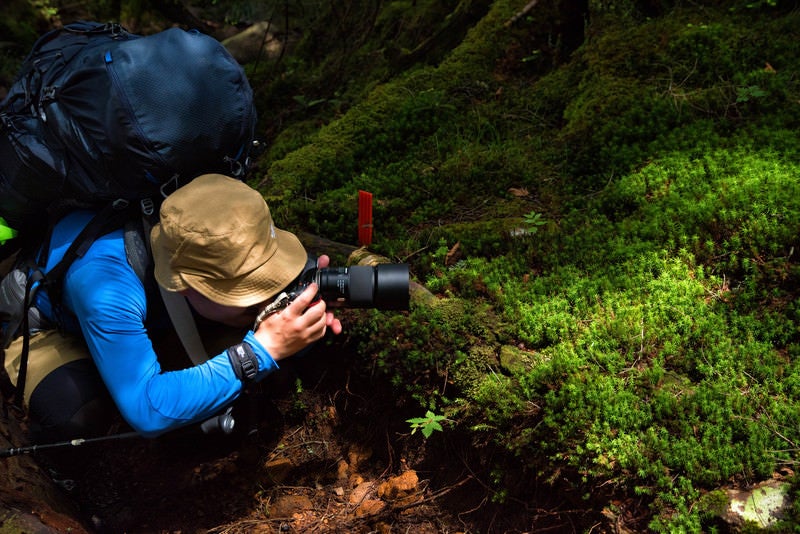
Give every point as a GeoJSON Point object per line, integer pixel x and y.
{"type": "Point", "coordinates": [384, 286]}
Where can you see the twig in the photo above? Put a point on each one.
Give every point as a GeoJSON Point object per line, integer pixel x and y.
{"type": "Point", "coordinates": [525, 10]}
{"type": "Point", "coordinates": [433, 496]}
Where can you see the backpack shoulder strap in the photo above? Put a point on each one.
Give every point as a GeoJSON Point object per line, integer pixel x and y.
{"type": "Point", "coordinates": [182, 319]}
{"type": "Point", "coordinates": [177, 308]}
{"type": "Point", "coordinates": [137, 247]}
{"type": "Point", "coordinates": [30, 290]}
{"type": "Point", "coordinates": [110, 217]}
{"type": "Point", "coordinates": [136, 250]}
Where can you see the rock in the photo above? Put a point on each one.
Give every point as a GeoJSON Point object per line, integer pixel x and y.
{"type": "Point", "coordinates": [278, 469]}
{"type": "Point", "coordinates": [246, 46]}
{"type": "Point", "coordinates": [399, 487]}
{"type": "Point", "coordinates": [763, 505]}
{"type": "Point", "coordinates": [30, 500]}
{"type": "Point", "coordinates": [360, 492]}
{"type": "Point", "coordinates": [370, 507]}
{"type": "Point", "coordinates": [357, 456]}
{"type": "Point", "coordinates": [286, 506]}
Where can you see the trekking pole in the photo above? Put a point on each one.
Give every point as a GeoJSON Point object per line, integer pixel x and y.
{"type": "Point", "coordinates": [220, 423]}
{"type": "Point", "coordinates": [16, 451]}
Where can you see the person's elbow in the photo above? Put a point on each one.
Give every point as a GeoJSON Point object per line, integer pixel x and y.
{"type": "Point", "coordinates": [146, 427]}
{"type": "Point", "coordinates": [148, 422]}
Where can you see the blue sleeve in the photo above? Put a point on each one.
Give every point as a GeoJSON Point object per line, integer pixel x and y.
{"type": "Point", "coordinates": [109, 302]}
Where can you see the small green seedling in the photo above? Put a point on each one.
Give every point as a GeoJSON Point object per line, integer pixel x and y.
{"type": "Point", "coordinates": [427, 424]}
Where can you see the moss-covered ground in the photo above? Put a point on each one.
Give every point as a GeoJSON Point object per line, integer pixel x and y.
{"type": "Point", "coordinates": [609, 225]}
{"type": "Point", "coordinates": [603, 198]}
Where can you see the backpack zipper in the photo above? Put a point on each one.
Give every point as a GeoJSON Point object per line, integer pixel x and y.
{"type": "Point", "coordinates": [123, 97]}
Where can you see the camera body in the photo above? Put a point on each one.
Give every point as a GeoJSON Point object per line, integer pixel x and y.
{"type": "Point", "coordinates": [384, 286]}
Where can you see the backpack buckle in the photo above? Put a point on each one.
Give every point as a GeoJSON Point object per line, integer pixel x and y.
{"type": "Point", "coordinates": [115, 29]}
{"type": "Point", "coordinates": [171, 182]}
{"type": "Point", "coordinates": [148, 206]}
{"type": "Point", "coordinates": [237, 169]}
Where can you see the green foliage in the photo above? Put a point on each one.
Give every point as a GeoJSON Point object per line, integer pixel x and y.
{"type": "Point", "coordinates": [611, 242]}
{"type": "Point", "coordinates": [532, 221]}
{"type": "Point", "coordinates": [428, 424]}
{"type": "Point", "coordinates": [746, 94]}
{"type": "Point", "coordinates": [611, 238]}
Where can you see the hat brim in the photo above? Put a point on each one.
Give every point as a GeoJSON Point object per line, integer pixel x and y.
{"type": "Point", "coordinates": [255, 287]}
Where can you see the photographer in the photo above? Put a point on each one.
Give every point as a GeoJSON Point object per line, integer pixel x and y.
{"type": "Point", "coordinates": [216, 245]}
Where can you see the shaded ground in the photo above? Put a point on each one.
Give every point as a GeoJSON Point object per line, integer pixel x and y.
{"type": "Point", "coordinates": [328, 452]}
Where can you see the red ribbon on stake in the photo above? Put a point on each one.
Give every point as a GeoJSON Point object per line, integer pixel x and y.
{"type": "Point", "coordinates": [364, 218]}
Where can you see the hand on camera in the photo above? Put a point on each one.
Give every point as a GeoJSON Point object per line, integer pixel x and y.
{"type": "Point", "coordinates": [301, 323]}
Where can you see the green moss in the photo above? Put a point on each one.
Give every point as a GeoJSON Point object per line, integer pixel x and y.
{"type": "Point", "coordinates": [515, 360]}
{"type": "Point", "coordinates": [646, 335]}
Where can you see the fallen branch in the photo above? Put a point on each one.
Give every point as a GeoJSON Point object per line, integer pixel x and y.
{"type": "Point", "coordinates": [433, 496]}
{"type": "Point", "coordinates": [525, 10]}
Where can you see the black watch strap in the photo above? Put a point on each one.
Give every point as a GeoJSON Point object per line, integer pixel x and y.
{"type": "Point", "coordinates": [244, 361]}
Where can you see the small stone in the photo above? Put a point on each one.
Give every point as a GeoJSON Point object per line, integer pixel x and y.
{"type": "Point", "coordinates": [399, 486]}
{"type": "Point", "coordinates": [370, 507]}
{"type": "Point", "coordinates": [360, 492]}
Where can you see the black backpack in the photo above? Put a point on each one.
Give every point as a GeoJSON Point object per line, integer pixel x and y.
{"type": "Point", "coordinates": [98, 115]}
{"type": "Point", "coordinates": [102, 118]}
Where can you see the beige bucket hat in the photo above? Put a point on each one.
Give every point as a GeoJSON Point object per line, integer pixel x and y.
{"type": "Point", "coordinates": [216, 235]}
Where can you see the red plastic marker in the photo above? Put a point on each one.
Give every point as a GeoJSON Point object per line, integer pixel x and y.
{"type": "Point", "coordinates": [364, 218]}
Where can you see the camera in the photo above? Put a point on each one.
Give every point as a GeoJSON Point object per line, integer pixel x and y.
{"type": "Point", "coordinates": [383, 286]}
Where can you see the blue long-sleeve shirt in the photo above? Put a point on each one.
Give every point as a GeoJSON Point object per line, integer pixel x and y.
{"type": "Point", "coordinates": [108, 300]}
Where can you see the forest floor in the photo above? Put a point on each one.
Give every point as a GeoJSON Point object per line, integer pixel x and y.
{"type": "Point", "coordinates": [318, 449]}
{"type": "Point", "coordinates": [322, 446]}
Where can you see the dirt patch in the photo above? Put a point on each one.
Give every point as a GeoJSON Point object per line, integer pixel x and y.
{"type": "Point", "coordinates": [309, 453]}
{"type": "Point", "coordinates": [323, 446]}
